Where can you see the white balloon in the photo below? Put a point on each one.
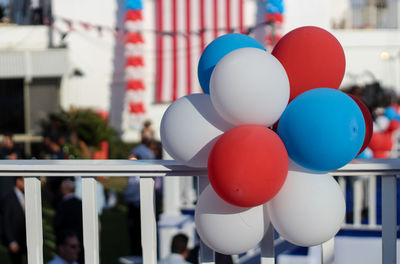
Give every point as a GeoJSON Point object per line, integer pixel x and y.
{"type": "Point", "coordinates": [309, 209]}
{"type": "Point", "coordinates": [229, 229]}
{"type": "Point", "coordinates": [189, 128]}
{"type": "Point", "coordinates": [249, 86]}
{"type": "Point", "coordinates": [381, 124]}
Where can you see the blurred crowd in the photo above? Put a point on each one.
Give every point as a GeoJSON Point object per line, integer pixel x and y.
{"type": "Point", "coordinates": [64, 195]}
{"type": "Point", "coordinates": [383, 105]}
{"type": "Point", "coordinates": [21, 12]}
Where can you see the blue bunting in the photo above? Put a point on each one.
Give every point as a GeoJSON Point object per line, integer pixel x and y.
{"type": "Point", "coordinates": [391, 113]}
{"type": "Point", "coordinates": [134, 4]}
{"type": "Point", "coordinates": [366, 154]}
{"type": "Point", "coordinates": [274, 6]}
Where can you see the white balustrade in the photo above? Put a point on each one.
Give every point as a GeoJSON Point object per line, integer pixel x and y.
{"type": "Point", "coordinates": [90, 220]}
{"type": "Point", "coordinates": [147, 170]}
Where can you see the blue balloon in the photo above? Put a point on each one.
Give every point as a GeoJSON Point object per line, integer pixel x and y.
{"type": "Point", "coordinates": [366, 154]}
{"type": "Point", "coordinates": [323, 129]}
{"type": "Point", "coordinates": [390, 113]}
{"type": "Point", "coordinates": [217, 49]}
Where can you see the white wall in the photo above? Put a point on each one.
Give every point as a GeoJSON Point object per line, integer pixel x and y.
{"type": "Point", "coordinates": [101, 59]}
{"type": "Point", "coordinates": [363, 50]}
{"type": "Point", "coordinates": [88, 52]}
{"type": "Point", "coordinates": [21, 38]}
{"type": "Point", "coordinates": [306, 13]}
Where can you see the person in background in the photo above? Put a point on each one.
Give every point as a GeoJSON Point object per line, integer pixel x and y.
{"type": "Point", "coordinates": [147, 132]}
{"type": "Point", "coordinates": [13, 222]}
{"type": "Point", "coordinates": [219, 258]}
{"type": "Point", "coordinates": [193, 256]}
{"type": "Point", "coordinates": [4, 11]}
{"type": "Point", "coordinates": [9, 151]}
{"type": "Point", "coordinates": [179, 250]}
{"type": "Point", "coordinates": [143, 150]}
{"type": "Point", "coordinates": [101, 197]}
{"type": "Point", "coordinates": [132, 198]}
{"type": "Point", "coordinates": [132, 194]}
{"type": "Point", "coordinates": [68, 248]}
{"type": "Point", "coordinates": [69, 214]}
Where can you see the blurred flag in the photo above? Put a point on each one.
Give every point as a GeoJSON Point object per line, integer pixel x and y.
{"type": "Point", "coordinates": [184, 28]}
{"type": "Point", "coordinates": [274, 10]}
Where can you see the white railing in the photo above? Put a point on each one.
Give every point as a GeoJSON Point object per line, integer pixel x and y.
{"type": "Point", "coordinates": [147, 170]}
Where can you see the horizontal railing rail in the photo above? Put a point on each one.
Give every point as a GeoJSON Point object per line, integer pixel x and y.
{"type": "Point", "coordinates": [147, 170]}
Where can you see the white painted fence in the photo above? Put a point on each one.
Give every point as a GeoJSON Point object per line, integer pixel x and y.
{"type": "Point", "coordinates": [147, 170]}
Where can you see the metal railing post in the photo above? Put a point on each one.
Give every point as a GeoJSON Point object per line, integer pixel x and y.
{"type": "Point", "coordinates": [207, 255]}
{"type": "Point", "coordinates": [389, 219]}
{"type": "Point", "coordinates": [328, 251]}
{"type": "Point", "coordinates": [90, 220]}
{"type": "Point", "coordinates": [33, 218]}
{"type": "Point", "coordinates": [372, 201]}
{"type": "Point", "coordinates": [148, 220]}
{"type": "Point", "coordinates": [358, 193]}
{"type": "Point", "coordinates": [267, 246]}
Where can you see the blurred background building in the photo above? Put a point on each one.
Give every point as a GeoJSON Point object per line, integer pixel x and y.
{"type": "Point", "coordinates": [72, 53]}
{"type": "Point", "coordinates": [129, 59]}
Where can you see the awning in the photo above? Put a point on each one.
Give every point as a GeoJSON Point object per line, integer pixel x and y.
{"type": "Point", "coordinates": [33, 64]}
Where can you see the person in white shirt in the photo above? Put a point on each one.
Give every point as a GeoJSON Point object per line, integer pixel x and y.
{"type": "Point", "coordinates": [179, 251]}
{"type": "Point", "coordinates": [68, 248]}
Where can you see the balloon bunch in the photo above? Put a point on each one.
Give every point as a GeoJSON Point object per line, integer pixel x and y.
{"type": "Point", "coordinates": [227, 130]}
{"type": "Point", "coordinates": [392, 112]}
{"type": "Point", "coordinates": [385, 126]}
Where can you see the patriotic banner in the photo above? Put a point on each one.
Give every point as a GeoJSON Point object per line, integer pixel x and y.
{"type": "Point", "coordinates": [183, 29]}
{"type": "Point", "coordinates": [134, 63]}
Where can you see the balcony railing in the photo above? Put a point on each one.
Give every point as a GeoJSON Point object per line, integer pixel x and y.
{"type": "Point", "coordinates": [147, 170]}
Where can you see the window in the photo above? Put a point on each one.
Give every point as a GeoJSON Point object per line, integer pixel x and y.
{"type": "Point", "coordinates": [12, 106]}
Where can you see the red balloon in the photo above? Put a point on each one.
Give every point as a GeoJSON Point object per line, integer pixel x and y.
{"type": "Point", "coordinates": [369, 123]}
{"type": "Point", "coordinates": [393, 125]}
{"type": "Point", "coordinates": [381, 144]}
{"type": "Point", "coordinates": [312, 58]}
{"type": "Point", "coordinates": [248, 165]}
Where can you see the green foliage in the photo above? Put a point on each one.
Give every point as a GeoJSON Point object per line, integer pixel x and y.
{"type": "Point", "coordinates": [86, 124]}
{"type": "Point", "coordinates": [119, 149]}
{"type": "Point", "coordinates": [84, 130]}
{"type": "Point", "coordinates": [90, 127]}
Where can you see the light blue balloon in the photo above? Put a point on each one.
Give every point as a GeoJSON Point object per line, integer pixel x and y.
{"type": "Point", "coordinates": [366, 154]}
{"type": "Point", "coordinates": [217, 49]}
{"type": "Point", "coordinates": [323, 129]}
{"type": "Point", "coordinates": [390, 113]}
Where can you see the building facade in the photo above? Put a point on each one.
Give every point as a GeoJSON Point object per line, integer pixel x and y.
{"type": "Point", "coordinates": [80, 61]}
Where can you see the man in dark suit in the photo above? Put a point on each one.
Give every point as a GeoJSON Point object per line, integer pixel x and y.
{"type": "Point", "coordinates": [69, 213]}
{"type": "Point", "coordinates": [14, 222]}
{"type": "Point", "coordinates": [8, 150]}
